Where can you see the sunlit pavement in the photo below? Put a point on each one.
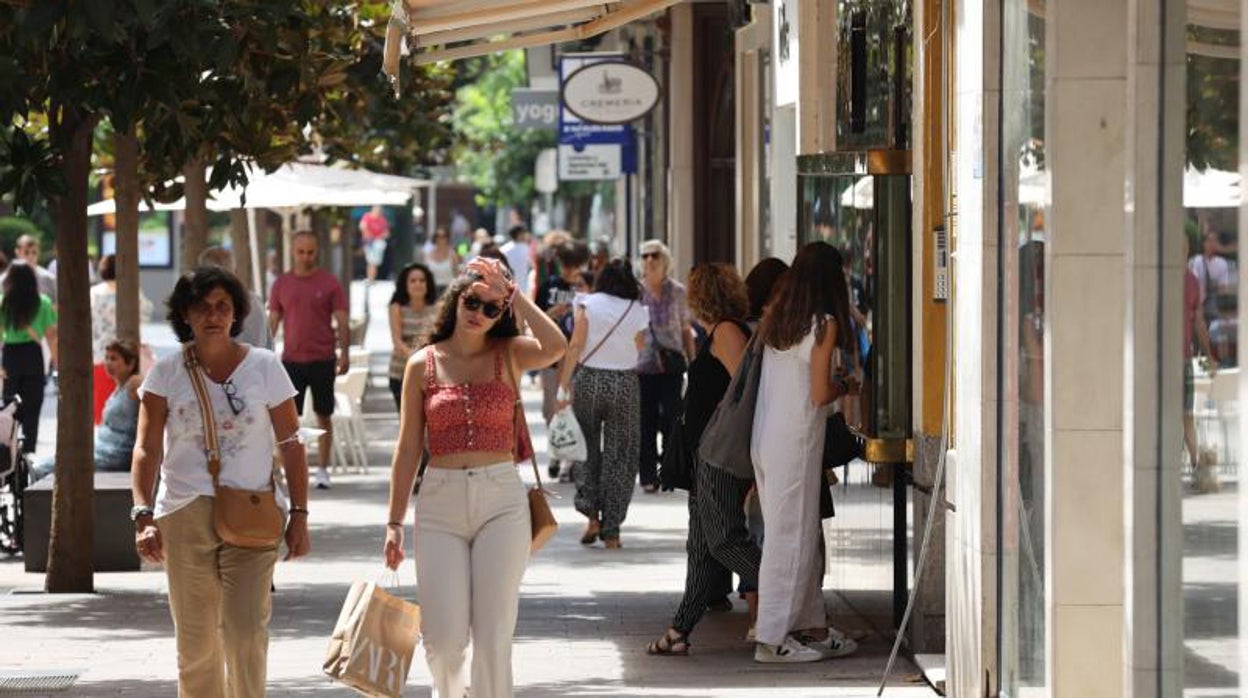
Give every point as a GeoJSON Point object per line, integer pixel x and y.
{"type": "Point", "coordinates": [586, 613]}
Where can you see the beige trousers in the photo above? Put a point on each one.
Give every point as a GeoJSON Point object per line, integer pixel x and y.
{"type": "Point", "coordinates": [220, 600]}
{"type": "Point", "coordinates": [472, 545]}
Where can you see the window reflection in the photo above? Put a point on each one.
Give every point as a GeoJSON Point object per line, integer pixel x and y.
{"type": "Point", "coordinates": [1210, 336]}
{"type": "Point", "coordinates": [1025, 194]}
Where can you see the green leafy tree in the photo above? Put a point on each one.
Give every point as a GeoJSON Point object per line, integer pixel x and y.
{"type": "Point", "coordinates": [366, 125]}
{"type": "Point", "coordinates": [183, 83]}
{"type": "Point", "coordinates": [494, 155]}
{"type": "Point", "coordinates": [1212, 103]}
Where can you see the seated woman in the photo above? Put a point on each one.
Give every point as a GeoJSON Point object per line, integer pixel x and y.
{"type": "Point", "coordinates": [114, 437]}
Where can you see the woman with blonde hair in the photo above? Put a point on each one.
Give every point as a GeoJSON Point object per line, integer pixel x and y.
{"type": "Point", "coordinates": [472, 528]}
{"type": "Point", "coordinates": [719, 543]}
{"type": "Point", "coordinates": [664, 357]}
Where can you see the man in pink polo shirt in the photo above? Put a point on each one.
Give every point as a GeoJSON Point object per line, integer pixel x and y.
{"type": "Point", "coordinates": [307, 304]}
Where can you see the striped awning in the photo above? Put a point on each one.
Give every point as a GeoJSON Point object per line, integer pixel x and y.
{"type": "Point", "coordinates": [437, 30]}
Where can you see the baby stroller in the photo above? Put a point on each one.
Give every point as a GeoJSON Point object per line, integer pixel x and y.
{"type": "Point", "coordinates": [14, 477]}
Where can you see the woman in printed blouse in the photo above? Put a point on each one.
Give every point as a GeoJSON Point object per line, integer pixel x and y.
{"type": "Point", "coordinates": [472, 514]}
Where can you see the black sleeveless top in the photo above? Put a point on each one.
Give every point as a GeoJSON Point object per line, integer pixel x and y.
{"type": "Point", "coordinates": [708, 381]}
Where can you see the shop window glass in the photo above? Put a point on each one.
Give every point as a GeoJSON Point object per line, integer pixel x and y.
{"type": "Point", "coordinates": [1209, 458]}
{"type": "Point", "coordinates": [1024, 196]}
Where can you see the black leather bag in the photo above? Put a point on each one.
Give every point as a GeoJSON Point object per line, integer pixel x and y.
{"type": "Point", "coordinates": [840, 444]}
{"type": "Point", "coordinates": [671, 361]}
{"type": "Point", "coordinates": [676, 470]}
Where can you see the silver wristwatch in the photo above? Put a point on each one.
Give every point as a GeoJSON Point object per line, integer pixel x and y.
{"type": "Point", "coordinates": [141, 510]}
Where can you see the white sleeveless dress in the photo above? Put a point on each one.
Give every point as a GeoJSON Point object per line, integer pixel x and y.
{"type": "Point", "coordinates": [786, 445]}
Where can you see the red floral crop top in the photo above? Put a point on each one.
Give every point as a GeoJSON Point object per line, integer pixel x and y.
{"type": "Point", "coordinates": [470, 416]}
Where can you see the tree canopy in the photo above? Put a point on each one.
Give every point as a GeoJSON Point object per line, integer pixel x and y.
{"type": "Point", "coordinates": [496, 157]}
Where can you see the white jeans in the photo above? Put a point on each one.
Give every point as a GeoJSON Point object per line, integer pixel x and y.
{"type": "Point", "coordinates": [472, 546]}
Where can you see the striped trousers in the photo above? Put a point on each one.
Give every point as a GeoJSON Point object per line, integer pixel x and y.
{"type": "Point", "coordinates": [719, 543]}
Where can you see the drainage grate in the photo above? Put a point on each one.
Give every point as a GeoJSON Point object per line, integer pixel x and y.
{"type": "Point", "coordinates": [32, 681]}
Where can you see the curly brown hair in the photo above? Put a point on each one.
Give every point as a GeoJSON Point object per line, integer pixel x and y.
{"type": "Point", "coordinates": [716, 292]}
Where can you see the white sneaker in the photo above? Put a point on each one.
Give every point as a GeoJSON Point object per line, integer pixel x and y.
{"type": "Point", "coordinates": [836, 644]}
{"type": "Point", "coordinates": [322, 479]}
{"type": "Point", "coordinates": [789, 652]}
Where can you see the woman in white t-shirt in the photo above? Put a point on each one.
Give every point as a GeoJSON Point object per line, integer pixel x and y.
{"type": "Point", "coordinates": [219, 595]}
{"type": "Point", "coordinates": [600, 374]}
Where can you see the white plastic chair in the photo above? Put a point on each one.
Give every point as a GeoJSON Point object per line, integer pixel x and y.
{"type": "Point", "coordinates": [349, 416]}
{"type": "Point", "coordinates": [337, 455]}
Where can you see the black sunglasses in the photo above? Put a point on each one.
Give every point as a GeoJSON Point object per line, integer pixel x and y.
{"type": "Point", "coordinates": [490, 310]}
{"type": "Point", "coordinates": [648, 255]}
{"type": "Point", "coordinates": [231, 395]}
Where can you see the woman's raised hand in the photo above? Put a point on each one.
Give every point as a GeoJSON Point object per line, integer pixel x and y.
{"type": "Point", "coordinates": [493, 276]}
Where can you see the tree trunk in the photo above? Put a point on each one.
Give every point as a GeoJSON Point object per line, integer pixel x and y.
{"type": "Point", "coordinates": [126, 194]}
{"type": "Point", "coordinates": [240, 243]}
{"type": "Point", "coordinates": [71, 563]}
{"type": "Point", "coordinates": [195, 228]}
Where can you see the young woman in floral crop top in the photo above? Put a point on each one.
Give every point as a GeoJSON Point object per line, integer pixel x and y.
{"type": "Point", "coordinates": [472, 513]}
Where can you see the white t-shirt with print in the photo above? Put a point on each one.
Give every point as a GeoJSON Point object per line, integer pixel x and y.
{"type": "Point", "coordinates": [619, 351]}
{"type": "Point", "coordinates": [246, 439]}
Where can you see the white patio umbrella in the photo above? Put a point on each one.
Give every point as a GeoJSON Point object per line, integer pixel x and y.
{"type": "Point", "coordinates": [297, 185]}
{"type": "Point", "coordinates": [1211, 188]}
{"type": "Point", "coordinates": [860, 194]}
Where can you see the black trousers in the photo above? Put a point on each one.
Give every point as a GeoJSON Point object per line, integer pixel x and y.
{"type": "Point", "coordinates": [718, 544]}
{"type": "Point", "coordinates": [396, 389]}
{"type": "Point", "coordinates": [660, 403]}
{"type": "Point", "coordinates": [23, 366]}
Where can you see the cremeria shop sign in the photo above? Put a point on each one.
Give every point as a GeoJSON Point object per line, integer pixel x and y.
{"type": "Point", "coordinates": [610, 92]}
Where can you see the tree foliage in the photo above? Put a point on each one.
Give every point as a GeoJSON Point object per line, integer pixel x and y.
{"type": "Point", "coordinates": [1212, 103]}
{"type": "Point", "coordinates": [187, 83]}
{"type": "Point", "coordinates": [494, 155]}
{"type": "Point", "coordinates": [366, 125]}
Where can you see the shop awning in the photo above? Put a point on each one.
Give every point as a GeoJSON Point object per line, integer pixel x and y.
{"type": "Point", "coordinates": [297, 185]}
{"type": "Point", "coordinates": [437, 30]}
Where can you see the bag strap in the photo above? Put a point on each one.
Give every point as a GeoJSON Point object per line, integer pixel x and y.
{"type": "Point", "coordinates": [519, 421]}
{"type": "Point", "coordinates": [605, 337]}
{"type": "Point", "coordinates": [211, 448]}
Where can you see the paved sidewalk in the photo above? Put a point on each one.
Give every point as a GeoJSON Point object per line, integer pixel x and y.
{"type": "Point", "coordinates": [586, 614]}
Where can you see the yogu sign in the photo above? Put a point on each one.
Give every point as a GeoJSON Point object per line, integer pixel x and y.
{"type": "Point", "coordinates": [610, 92]}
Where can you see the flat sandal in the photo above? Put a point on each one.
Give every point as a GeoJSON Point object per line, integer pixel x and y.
{"type": "Point", "coordinates": [670, 644]}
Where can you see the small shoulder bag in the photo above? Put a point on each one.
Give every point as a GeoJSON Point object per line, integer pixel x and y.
{"type": "Point", "coordinates": [541, 519]}
{"type": "Point", "coordinates": [242, 518]}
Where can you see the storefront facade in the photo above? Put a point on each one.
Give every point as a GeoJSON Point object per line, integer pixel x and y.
{"type": "Point", "coordinates": [1081, 161]}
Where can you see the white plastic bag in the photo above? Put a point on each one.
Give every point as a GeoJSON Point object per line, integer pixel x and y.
{"type": "Point", "coordinates": [566, 440]}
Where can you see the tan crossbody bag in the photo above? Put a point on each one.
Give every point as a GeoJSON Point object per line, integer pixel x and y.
{"type": "Point", "coordinates": [242, 518]}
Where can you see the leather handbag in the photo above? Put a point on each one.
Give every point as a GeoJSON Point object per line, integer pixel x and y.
{"type": "Point", "coordinates": [242, 518]}
{"type": "Point", "coordinates": [671, 361]}
{"type": "Point", "coordinates": [840, 444]}
{"type": "Point", "coordinates": [725, 442]}
{"type": "Point", "coordinates": [542, 523]}
{"type": "Point", "coordinates": [676, 469]}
